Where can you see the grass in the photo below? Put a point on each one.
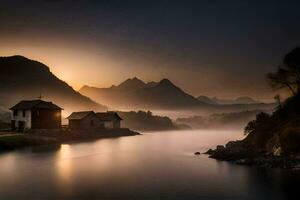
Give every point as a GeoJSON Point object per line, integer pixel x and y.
{"type": "Point", "coordinates": [14, 141]}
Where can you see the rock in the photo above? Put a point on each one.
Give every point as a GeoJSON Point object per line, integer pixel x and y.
{"type": "Point", "coordinates": [197, 153]}
{"type": "Point", "coordinates": [209, 152]}
{"type": "Point", "coordinates": [220, 147]}
{"type": "Point", "coordinates": [277, 151]}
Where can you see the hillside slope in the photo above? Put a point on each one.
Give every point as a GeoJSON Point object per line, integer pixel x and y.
{"type": "Point", "coordinates": [22, 78]}
{"type": "Point", "coordinates": [271, 141]}
{"type": "Point", "coordinates": [134, 93]}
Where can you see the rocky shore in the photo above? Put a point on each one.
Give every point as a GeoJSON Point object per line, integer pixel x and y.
{"type": "Point", "coordinates": [238, 152]}
{"type": "Point", "coordinates": [12, 141]}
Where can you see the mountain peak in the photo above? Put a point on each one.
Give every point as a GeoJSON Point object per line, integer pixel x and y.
{"type": "Point", "coordinates": [132, 83]}
{"type": "Point", "coordinates": [166, 82]}
{"type": "Point", "coordinates": [23, 78]}
{"type": "Point", "coordinates": [84, 87]}
{"type": "Point", "coordinates": [206, 99]}
{"type": "Point", "coordinates": [20, 57]}
{"type": "Point", "coordinates": [246, 99]}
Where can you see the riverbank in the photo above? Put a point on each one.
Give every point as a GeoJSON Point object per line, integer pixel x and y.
{"type": "Point", "coordinates": [12, 141]}
{"type": "Point", "coordinates": [238, 152]}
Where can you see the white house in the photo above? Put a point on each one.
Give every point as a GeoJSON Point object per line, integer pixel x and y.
{"type": "Point", "coordinates": [35, 114]}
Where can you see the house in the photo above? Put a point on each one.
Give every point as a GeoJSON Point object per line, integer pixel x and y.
{"type": "Point", "coordinates": [84, 120]}
{"type": "Point", "coordinates": [35, 114]}
{"type": "Point", "coordinates": [110, 119]}
{"type": "Point", "coordinates": [92, 120]}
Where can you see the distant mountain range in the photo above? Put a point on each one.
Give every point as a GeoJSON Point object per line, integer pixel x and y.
{"type": "Point", "coordinates": [239, 100]}
{"type": "Point", "coordinates": [207, 100]}
{"type": "Point", "coordinates": [231, 120]}
{"type": "Point", "coordinates": [135, 94]}
{"type": "Point", "coordinates": [22, 78]}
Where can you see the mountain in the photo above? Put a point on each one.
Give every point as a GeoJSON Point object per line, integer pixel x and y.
{"type": "Point", "coordinates": [146, 121]}
{"type": "Point", "coordinates": [134, 93]}
{"type": "Point", "coordinates": [22, 78]}
{"type": "Point", "coordinates": [206, 99]}
{"type": "Point", "coordinates": [132, 84]}
{"type": "Point", "coordinates": [272, 140]}
{"type": "Point", "coordinates": [239, 100]}
{"type": "Point", "coordinates": [232, 120]}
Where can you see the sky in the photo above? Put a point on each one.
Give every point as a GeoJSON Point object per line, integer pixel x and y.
{"type": "Point", "coordinates": [208, 47]}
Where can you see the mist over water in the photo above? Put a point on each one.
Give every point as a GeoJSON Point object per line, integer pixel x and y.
{"type": "Point", "coordinates": [151, 166]}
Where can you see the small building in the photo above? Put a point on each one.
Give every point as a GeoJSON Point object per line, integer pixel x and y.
{"type": "Point", "coordinates": [35, 114]}
{"type": "Point", "coordinates": [84, 120]}
{"type": "Point", "coordinates": [111, 120]}
{"type": "Point", "coordinates": [92, 120]}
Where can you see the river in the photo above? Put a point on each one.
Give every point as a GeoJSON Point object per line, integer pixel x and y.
{"type": "Point", "coordinates": [159, 165]}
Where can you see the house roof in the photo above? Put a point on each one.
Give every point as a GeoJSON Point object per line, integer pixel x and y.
{"type": "Point", "coordinates": [80, 115]}
{"type": "Point", "coordinates": [28, 104]}
{"type": "Point", "coordinates": [108, 116]}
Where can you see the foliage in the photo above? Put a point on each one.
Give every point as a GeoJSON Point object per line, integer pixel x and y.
{"type": "Point", "coordinates": [8, 142]}
{"type": "Point", "coordinates": [290, 140]}
{"type": "Point", "coordinates": [145, 121]}
{"type": "Point", "coordinates": [261, 120]}
{"type": "Point", "coordinates": [288, 74]}
{"type": "Point", "coordinates": [220, 120]}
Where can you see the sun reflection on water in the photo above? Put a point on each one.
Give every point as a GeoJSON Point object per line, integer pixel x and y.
{"type": "Point", "coordinates": [63, 165]}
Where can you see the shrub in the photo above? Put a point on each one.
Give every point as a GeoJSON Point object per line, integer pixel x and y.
{"type": "Point", "coordinates": [290, 141]}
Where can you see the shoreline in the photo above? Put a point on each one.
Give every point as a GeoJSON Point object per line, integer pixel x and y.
{"type": "Point", "coordinates": [237, 152]}
{"type": "Point", "coordinates": [36, 138]}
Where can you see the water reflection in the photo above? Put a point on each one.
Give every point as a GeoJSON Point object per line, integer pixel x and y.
{"type": "Point", "coordinates": [152, 166]}
{"type": "Point", "coordinates": [63, 165]}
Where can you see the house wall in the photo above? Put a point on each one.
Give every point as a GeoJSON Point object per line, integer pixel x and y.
{"type": "Point", "coordinates": [74, 123]}
{"type": "Point", "coordinates": [112, 124]}
{"type": "Point", "coordinates": [108, 124]}
{"type": "Point", "coordinates": [19, 117]}
{"type": "Point", "coordinates": [45, 119]}
{"type": "Point", "coordinates": [117, 124]}
{"type": "Point", "coordinates": [89, 122]}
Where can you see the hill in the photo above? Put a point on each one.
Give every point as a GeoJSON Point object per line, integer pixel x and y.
{"type": "Point", "coordinates": [239, 100]}
{"type": "Point", "coordinates": [206, 99]}
{"type": "Point", "coordinates": [220, 120]}
{"type": "Point", "coordinates": [146, 121]}
{"type": "Point", "coordinates": [22, 78]}
{"type": "Point", "coordinates": [271, 141]}
{"type": "Point", "coordinates": [134, 93]}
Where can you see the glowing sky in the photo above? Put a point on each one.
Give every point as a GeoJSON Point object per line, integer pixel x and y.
{"type": "Point", "coordinates": [206, 47]}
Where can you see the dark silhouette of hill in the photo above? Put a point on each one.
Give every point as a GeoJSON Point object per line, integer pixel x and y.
{"type": "Point", "coordinates": [239, 100]}
{"type": "Point", "coordinates": [268, 135]}
{"type": "Point", "coordinates": [164, 95]}
{"type": "Point", "coordinates": [134, 93]}
{"type": "Point", "coordinates": [22, 78]}
{"type": "Point", "coordinates": [230, 120]}
{"type": "Point", "coordinates": [272, 140]}
{"type": "Point", "coordinates": [146, 121]}
{"type": "Point", "coordinates": [206, 99]}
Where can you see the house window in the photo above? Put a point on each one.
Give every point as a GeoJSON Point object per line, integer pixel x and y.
{"type": "Point", "coordinates": [15, 112]}
{"type": "Point", "coordinates": [92, 122]}
{"type": "Point", "coordinates": [23, 112]}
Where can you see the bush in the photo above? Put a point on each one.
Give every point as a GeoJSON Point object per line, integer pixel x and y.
{"type": "Point", "coordinates": [262, 119]}
{"type": "Point", "coordinates": [290, 141]}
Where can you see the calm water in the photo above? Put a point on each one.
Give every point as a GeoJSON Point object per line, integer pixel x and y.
{"type": "Point", "coordinates": [151, 166]}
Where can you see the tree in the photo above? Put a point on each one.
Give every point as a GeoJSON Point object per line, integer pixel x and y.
{"type": "Point", "coordinates": [278, 100]}
{"type": "Point", "coordinates": [288, 74]}
{"type": "Point", "coordinates": [260, 121]}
